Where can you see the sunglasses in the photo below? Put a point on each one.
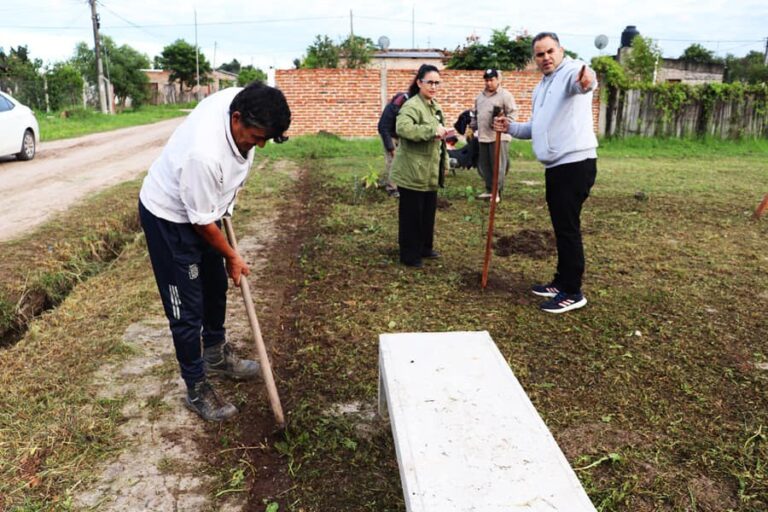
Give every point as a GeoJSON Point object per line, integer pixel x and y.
{"type": "Point", "coordinates": [431, 83]}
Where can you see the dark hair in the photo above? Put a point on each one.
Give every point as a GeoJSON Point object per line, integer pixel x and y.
{"type": "Point", "coordinates": [543, 35]}
{"type": "Point", "coordinates": [262, 106]}
{"type": "Point", "coordinates": [413, 89]}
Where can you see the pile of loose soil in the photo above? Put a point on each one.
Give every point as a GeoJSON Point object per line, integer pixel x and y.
{"type": "Point", "coordinates": [534, 244]}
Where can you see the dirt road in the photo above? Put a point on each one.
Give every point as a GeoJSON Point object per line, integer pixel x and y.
{"type": "Point", "coordinates": [65, 171]}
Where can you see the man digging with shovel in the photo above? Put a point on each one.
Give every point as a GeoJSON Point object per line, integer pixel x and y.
{"type": "Point", "coordinates": [188, 189]}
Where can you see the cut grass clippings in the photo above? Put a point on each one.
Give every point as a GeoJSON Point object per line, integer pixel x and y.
{"type": "Point", "coordinates": [39, 269]}
{"type": "Point", "coordinates": [53, 427]}
{"type": "Point", "coordinates": [655, 391]}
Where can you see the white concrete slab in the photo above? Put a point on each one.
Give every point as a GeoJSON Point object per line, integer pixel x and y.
{"type": "Point", "coordinates": [466, 434]}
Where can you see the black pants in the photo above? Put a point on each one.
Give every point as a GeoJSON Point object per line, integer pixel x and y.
{"type": "Point", "coordinates": [192, 282]}
{"type": "Point", "coordinates": [568, 186]}
{"type": "Point", "coordinates": [416, 232]}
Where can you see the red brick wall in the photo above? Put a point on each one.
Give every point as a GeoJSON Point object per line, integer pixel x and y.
{"type": "Point", "coordinates": [347, 102]}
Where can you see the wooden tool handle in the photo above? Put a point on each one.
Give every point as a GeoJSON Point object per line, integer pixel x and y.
{"type": "Point", "coordinates": [261, 349]}
{"type": "Point", "coordinates": [492, 214]}
{"type": "Point", "coordinates": [761, 208]}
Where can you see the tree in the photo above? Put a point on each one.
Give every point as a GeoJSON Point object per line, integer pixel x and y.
{"type": "Point", "coordinates": [231, 67]}
{"type": "Point", "coordinates": [21, 75]}
{"type": "Point", "coordinates": [501, 52]}
{"type": "Point", "coordinates": [697, 54]}
{"type": "Point", "coordinates": [322, 53]}
{"type": "Point", "coordinates": [357, 51]}
{"type": "Point", "coordinates": [642, 60]}
{"type": "Point", "coordinates": [248, 74]}
{"type": "Point", "coordinates": [179, 59]}
{"type": "Point", "coordinates": [65, 85]}
{"type": "Point", "coordinates": [572, 55]}
{"type": "Point", "coordinates": [750, 68]}
{"type": "Point", "coordinates": [122, 66]}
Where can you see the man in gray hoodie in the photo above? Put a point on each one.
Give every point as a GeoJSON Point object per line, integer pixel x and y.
{"type": "Point", "coordinates": [563, 136]}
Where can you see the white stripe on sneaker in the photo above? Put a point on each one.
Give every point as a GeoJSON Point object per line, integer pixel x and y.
{"type": "Point", "coordinates": [566, 305]}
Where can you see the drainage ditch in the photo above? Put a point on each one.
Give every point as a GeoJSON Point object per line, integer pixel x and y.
{"type": "Point", "coordinates": [44, 290]}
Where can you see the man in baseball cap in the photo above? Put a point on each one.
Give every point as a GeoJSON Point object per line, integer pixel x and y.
{"type": "Point", "coordinates": [494, 95]}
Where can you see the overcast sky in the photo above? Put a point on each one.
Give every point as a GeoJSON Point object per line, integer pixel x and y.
{"type": "Point", "coordinates": [276, 32]}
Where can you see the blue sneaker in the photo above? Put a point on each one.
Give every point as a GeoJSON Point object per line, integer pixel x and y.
{"type": "Point", "coordinates": [563, 302]}
{"type": "Point", "coordinates": [545, 290]}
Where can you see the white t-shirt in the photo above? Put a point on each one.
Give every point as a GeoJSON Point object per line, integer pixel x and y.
{"type": "Point", "coordinates": [196, 177]}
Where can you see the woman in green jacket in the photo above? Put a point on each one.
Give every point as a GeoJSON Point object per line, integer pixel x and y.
{"type": "Point", "coordinates": [419, 166]}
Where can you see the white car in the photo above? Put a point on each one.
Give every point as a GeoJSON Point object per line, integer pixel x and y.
{"type": "Point", "coordinates": [19, 132]}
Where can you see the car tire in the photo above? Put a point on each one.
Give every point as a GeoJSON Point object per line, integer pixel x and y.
{"type": "Point", "coordinates": [27, 146]}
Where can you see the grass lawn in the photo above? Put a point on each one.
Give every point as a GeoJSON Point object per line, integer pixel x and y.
{"type": "Point", "coordinates": [82, 122]}
{"type": "Point", "coordinates": [656, 391]}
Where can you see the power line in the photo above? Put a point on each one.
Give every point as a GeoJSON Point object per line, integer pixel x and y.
{"type": "Point", "coordinates": [131, 24]}
{"type": "Point", "coordinates": [170, 25]}
{"type": "Point", "coordinates": [228, 23]}
{"type": "Point", "coordinates": [136, 25]}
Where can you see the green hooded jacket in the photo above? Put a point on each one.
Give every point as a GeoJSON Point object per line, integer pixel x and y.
{"type": "Point", "coordinates": [421, 159]}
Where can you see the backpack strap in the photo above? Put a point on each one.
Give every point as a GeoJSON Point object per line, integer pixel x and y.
{"type": "Point", "coordinates": [399, 98]}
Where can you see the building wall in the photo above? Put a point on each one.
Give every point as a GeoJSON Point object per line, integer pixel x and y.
{"type": "Point", "coordinates": [675, 70]}
{"type": "Point", "coordinates": [348, 102]}
{"type": "Point", "coordinates": [161, 91]}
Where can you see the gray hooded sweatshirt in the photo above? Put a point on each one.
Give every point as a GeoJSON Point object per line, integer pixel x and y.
{"type": "Point", "coordinates": [561, 124]}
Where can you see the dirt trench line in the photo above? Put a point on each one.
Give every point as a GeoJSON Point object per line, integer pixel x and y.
{"type": "Point", "coordinates": [164, 465]}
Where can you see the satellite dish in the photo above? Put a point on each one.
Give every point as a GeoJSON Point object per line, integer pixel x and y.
{"type": "Point", "coordinates": [383, 42]}
{"type": "Point", "coordinates": [601, 41]}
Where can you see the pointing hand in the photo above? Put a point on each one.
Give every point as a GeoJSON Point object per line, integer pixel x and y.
{"type": "Point", "coordinates": [585, 78]}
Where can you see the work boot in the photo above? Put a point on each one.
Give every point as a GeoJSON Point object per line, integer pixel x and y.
{"type": "Point", "coordinates": [204, 400]}
{"type": "Point", "coordinates": [220, 360]}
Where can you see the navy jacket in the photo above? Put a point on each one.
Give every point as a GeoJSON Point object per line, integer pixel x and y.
{"type": "Point", "coordinates": [388, 119]}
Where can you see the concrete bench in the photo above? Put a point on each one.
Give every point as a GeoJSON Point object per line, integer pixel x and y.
{"type": "Point", "coordinates": [466, 434]}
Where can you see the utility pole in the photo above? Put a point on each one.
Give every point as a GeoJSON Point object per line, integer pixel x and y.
{"type": "Point", "coordinates": [413, 26]}
{"type": "Point", "coordinates": [197, 59]}
{"type": "Point", "coordinates": [351, 27]}
{"type": "Point", "coordinates": [99, 65]}
{"type": "Point", "coordinates": [765, 59]}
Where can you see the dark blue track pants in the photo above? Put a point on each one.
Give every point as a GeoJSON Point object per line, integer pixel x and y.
{"type": "Point", "coordinates": [192, 282]}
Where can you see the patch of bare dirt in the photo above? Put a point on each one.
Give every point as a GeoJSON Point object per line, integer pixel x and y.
{"type": "Point", "coordinates": [161, 467]}
{"type": "Point", "coordinates": [711, 496]}
{"type": "Point", "coordinates": [594, 438]}
{"type": "Point", "coordinates": [534, 244]}
{"type": "Point", "coordinates": [172, 455]}
{"type": "Point", "coordinates": [513, 284]}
